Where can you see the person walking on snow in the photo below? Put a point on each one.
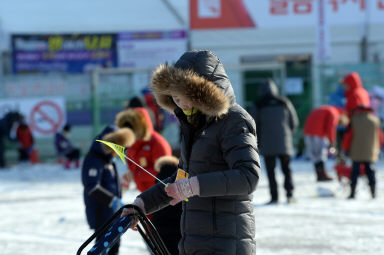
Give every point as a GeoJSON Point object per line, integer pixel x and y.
{"type": "Point", "coordinates": [276, 120]}
{"type": "Point", "coordinates": [362, 142]}
{"type": "Point", "coordinates": [320, 130]}
{"type": "Point", "coordinates": [218, 151]}
{"type": "Point", "coordinates": [100, 179]}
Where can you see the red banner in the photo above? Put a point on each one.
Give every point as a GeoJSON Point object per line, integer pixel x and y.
{"type": "Point", "coordinates": [208, 14]}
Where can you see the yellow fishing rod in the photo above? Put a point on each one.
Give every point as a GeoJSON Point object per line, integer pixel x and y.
{"type": "Point", "coordinates": [120, 150]}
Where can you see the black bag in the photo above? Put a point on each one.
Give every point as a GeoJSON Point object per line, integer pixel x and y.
{"type": "Point", "coordinates": [115, 227]}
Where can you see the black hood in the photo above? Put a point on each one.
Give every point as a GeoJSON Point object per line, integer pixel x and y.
{"type": "Point", "coordinates": [199, 76]}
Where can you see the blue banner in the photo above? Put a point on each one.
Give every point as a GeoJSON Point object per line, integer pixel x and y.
{"type": "Point", "coordinates": [70, 53]}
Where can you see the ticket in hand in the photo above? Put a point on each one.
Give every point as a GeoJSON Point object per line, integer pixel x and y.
{"type": "Point", "coordinates": [181, 174]}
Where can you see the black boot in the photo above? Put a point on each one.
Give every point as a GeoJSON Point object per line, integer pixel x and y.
{"type": "Point", "coordinates": [373, 190]}
{"type": "Point", "coordinates": [352, 194]}
{"type": "Point", "coordinates": [317, 169]}
{"type": "Point", "coordinates": [322, 175]}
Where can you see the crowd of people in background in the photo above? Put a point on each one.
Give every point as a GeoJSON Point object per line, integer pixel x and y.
{"type": "Point", "coordinates": [349, 128]}
{"type": "Point", "coordinates": [220, 174]}
{"type": "Point", "coordinates": [359, 134]}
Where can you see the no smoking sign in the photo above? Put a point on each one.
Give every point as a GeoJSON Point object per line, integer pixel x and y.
{"type": "Point", "coordinates": [46, 117]}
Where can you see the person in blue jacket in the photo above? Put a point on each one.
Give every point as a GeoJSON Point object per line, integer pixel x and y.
{"type": "Point", "coordinates": [65, 149]}
{"type": "Point", "coordinates": [102, 189]}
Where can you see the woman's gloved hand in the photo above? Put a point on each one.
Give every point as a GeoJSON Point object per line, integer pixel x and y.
{"type": "Point", "coordinates": [139, 203]}
{"type": "Point", "coordinates": [182, 189]}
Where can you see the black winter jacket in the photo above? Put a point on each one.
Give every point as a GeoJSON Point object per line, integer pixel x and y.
{"type": "Point", "coordinates": [276, 120]}
{"type": "Point", "coordinates": [221, 152]}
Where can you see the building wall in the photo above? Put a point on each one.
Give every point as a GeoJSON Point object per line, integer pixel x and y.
{"type": "Point", "coordinates": [265, 45]}
{"type": "Point", "coordinates": [230, 45]}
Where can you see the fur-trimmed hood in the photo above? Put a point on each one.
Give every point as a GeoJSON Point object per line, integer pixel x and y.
{"type": "Point", "coordinates": [166, 161]}
{"type": "Point", "coordinates": [111, 133]}
{"type": "Point", "coordinates": [138, 120]}
{"type": "Point", "coordinates": [124, 137]}
{"type": "Point", "coordinates": [198, 76]}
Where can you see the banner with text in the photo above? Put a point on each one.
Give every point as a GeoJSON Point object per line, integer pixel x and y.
{"type": "Point", "coordinates": [208, 14]}
{"type": "Point", "coordinates": [148, 49]}
{"type": "Point", "coordinates": [72, 53]}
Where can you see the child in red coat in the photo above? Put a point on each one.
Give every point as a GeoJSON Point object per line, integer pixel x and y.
{"type": "Point", "coordinates": [149, 146]}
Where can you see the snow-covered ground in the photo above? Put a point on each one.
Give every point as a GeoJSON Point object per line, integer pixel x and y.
{"type": "Point", "coordinates": [42, 212]}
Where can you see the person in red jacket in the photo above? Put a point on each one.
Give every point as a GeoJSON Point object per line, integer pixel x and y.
{"type": "Point", "coordinates": [149, 146]}
{"type": "Point", "coordinates": [320, 132]}
{"type": "Point", "coordinates": [26, 141]}
{"type": "Point", "coordinates": [156, 110]}
{"type": "Point", "coordinates": [355, 94]}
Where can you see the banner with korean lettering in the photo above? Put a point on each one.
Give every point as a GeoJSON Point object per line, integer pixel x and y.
{"type": "Point", "coordinates": [217, 14]}
{"type": "Point", "coordinates": [72, 53]}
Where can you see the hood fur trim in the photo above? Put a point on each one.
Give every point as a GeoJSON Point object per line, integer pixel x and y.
{"type": "Point", "coordinates": [124, 137]}
{"type": "Point", "coordinates": [135, 120]}
{"type": "Point", "coordinates": [204, 94]}
{"type": "Point", "coordinates": [165, 160]}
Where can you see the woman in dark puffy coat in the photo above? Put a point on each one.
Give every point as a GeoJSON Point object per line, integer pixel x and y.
{"type": "Point", "coordinates": [218, 151]}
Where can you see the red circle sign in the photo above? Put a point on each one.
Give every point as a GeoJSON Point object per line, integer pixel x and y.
{"type": "Point", "coordinates": [46, 117]}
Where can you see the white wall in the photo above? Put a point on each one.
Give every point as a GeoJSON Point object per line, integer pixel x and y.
{"type": "Point", "coordinates": [87, 16]}
{"type": "Point", "coordinates": [230, 45]}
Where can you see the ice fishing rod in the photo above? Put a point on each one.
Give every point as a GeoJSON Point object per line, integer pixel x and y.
{"type": "Point", "coordinates": [120, 150]}
{"type": "Point", "coordinates": [145, 170]}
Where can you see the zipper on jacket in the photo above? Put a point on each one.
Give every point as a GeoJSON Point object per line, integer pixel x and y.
{"type": "Point", "coordinates": [184, 206]}
{"type": "Point", "coordinates": [214, 215]}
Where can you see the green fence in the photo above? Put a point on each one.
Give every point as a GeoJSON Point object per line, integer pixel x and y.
{"type": "Point", "coordinates": [372, 74]}
{"type": "Point", "coordinates": [103, 93]}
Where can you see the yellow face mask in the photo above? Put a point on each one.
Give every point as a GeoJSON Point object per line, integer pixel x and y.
{"type": "Point", "coordinates": [190, 112]}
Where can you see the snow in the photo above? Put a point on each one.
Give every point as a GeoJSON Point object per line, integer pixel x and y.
{"type": "Point", "coordinates": [42, 212]}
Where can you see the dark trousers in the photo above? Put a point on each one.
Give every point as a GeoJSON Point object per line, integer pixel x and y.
{"type": "Point", "coordinates": [24, 154]}
{"type": "Point", "coordinates": [74, 154]}
{"type": "Point", "coordinates": [270, 163]}
{"type": "Point", "coordinates": [369, 171]}
{"type": "Point", "coordinates": [2, 152]}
